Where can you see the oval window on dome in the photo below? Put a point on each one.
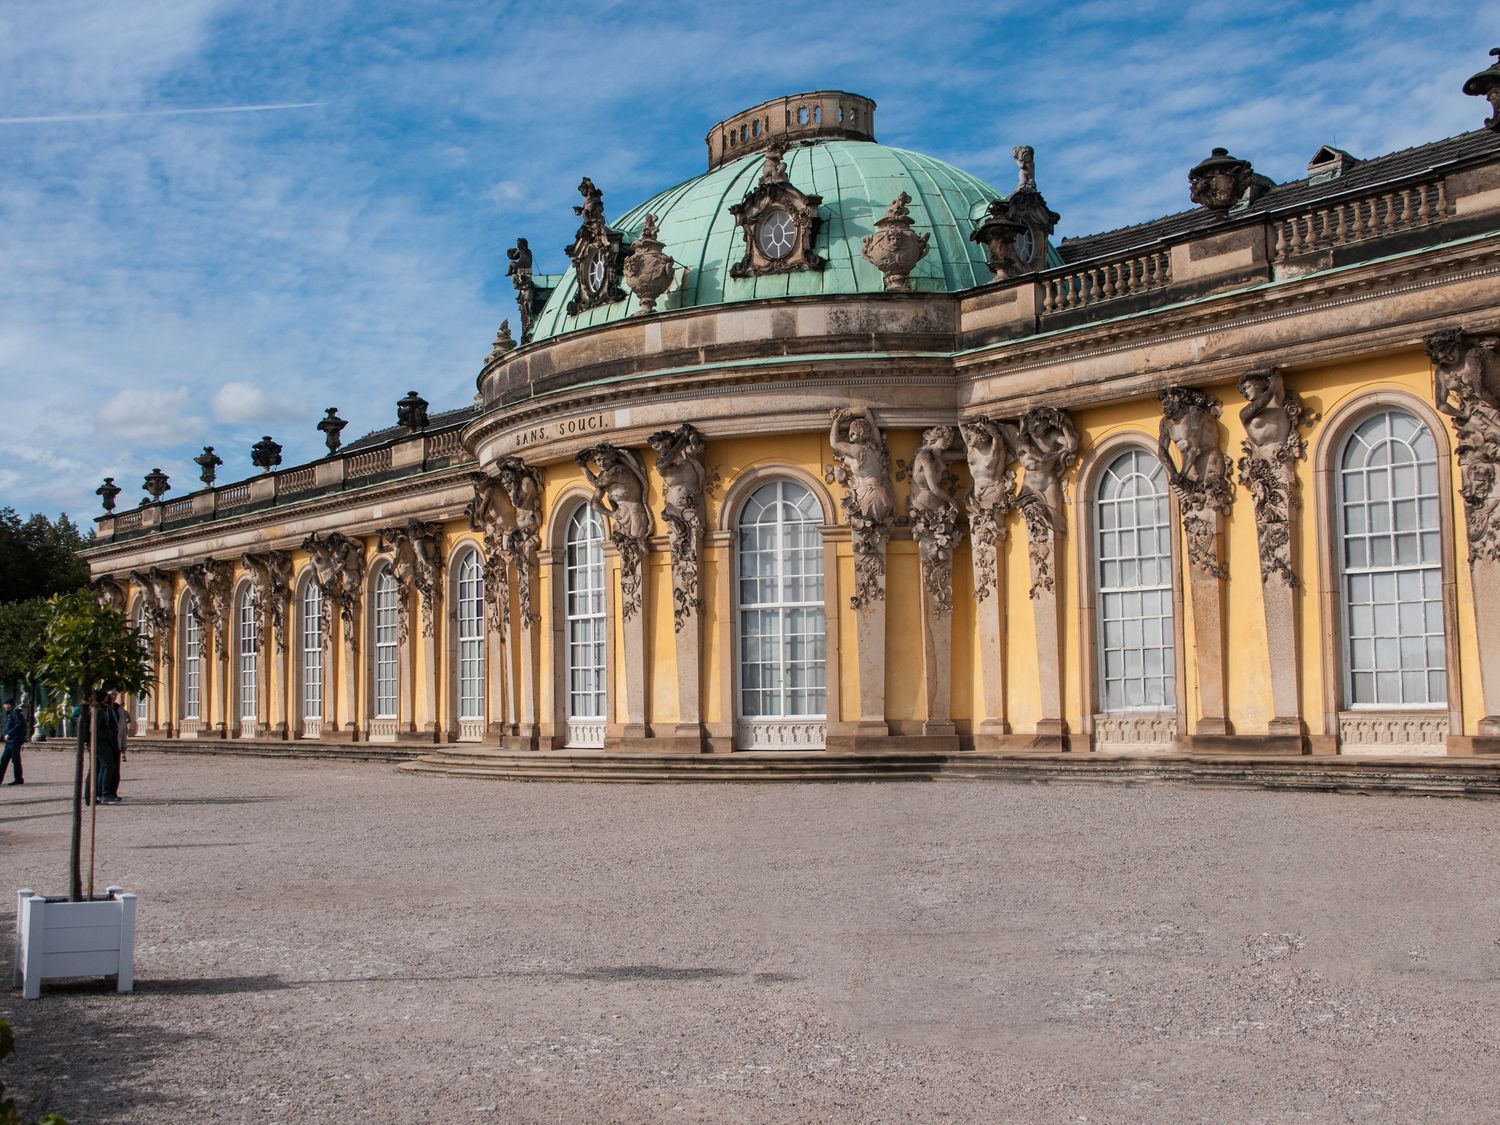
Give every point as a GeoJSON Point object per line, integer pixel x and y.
{"type": "Point", "coordinates": [777, 234]}
{"type": "Point", "coordinates": [596, 265]}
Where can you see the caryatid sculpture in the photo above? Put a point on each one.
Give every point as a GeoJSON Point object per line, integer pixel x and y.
{"type": "Point", "coordinates": [1047, 447]}
{"type": "Point", "coordinates": [209, 584]}
{"type": "Point", "coordinates": [270, 581]}
{"type": "Point", "coordinates": [619, 481]}
{"type": "Point", "coordinates": [489, 512]}
{"type": "Point", "coordinates": [1466, 384]}
{"type": "Point", "coordinates": [156, 591]}
{"type": "Point", "coordinates": [338, 564]}
{"type": "Point", "coordinates": [110, 593]}
{"type": "Point", "coordinates": [417, 563]}
{"type": "Point", "coordinates": [679, 463]}
{"type": "Point", "coordinates": [862, 464]}
{"type": "Point", "coordinates": [1273, 446]}
{"type": "Point", "coordinates": [990, 447]}
{"type": "Point", "coordinates": [933, 511]}
{"type": "Point", "coordinates": [523, 488]}
{"type": "Point", "coordinates": [1198, 471]}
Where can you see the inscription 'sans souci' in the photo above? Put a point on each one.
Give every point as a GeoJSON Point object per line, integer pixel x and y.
{"type": "Point", "coordinates": [579, 425]}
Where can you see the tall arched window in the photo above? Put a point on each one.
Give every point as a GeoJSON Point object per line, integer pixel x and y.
{"type": "Point", "coordinates": [386, 641]}
{"type": "Point", "coordinates": [312, 652]}
{"type": "Point", "coordinates": [248, 632]}
{"type": "Point", "coordinates": [1133, 583]}
{"type": "Point", "coordinates": [583, 614]}
{"type": "Point", "coordinates": [469, 612]}
{"type": "Point", "coordinates": [192, 663]}
{"type": "Point", "coordinates": [142, 625]}
{"type": "Point", "coordinates": [782, 636]}
{"type": "Point", "coordinates": [1391, 565]}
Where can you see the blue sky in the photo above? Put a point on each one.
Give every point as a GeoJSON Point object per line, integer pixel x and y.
{"type": "Point", "coordinates": [334, 233]}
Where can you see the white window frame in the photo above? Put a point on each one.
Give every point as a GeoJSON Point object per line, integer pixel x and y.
{"type": "Point", "coordinates": [385, 652]}
{"type": "Point", "coordinates": [143, 631]}
{"type": "Point", "coordinates": [585, 630]}
{"type": "Point", "coordinates": [797, 693]}
{"type": "Point", "coordinates": [312, 651]}
{"type": "Point", "coordinates": [469, 634]}
{"type": "Point", "coordinates": [249, 658]}
{"type": "Point", "coordinates": [1364, 497]}
{"type": "Point", "coordinates": [1133, 580]}
{"type": "Point", "coordinates": [192, 664]}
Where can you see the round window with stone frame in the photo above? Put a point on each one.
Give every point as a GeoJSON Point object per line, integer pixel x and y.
{"type": "Point", "coordinates": [777, 234]}
{"type": "Point", "coordinates": [595, 268]}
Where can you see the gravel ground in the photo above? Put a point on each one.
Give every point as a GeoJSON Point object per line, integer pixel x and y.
{"type": "Point", "coordinates": [335, 942]}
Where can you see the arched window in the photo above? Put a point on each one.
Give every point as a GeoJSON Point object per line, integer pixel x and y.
{"type": "Point", "coordinates": [192, 663]}
{"type": "Point", "coordinates": [1133, 583]}
{"type": "Point", "coordinates": [249, 637]}
{"type": "Point", "coordinates": [386, 640]}
{"type": "Point", "coordinates": [312, 651]}
{"type": "Point", "coordinates": [583, 614]}
{"type": "Point", "coordinates": [782, 637]}
{"type": "Point", "coordinates": [469, 612]}
{"type": "Point", "coordinates": [1391, 565]}
{"type": "Point", "coordinates": [142, 626]}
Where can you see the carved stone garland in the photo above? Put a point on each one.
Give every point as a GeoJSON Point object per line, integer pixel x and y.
{"type": "Point", "coordinates": [1272, 446]}
{"type": "Point", "coordinates": [1466, 382]}
{"type": "Point", "coordinates": [1047, 447]}
{"type": "Point", "coordinates": [595, 253]}
{"type": "Point", "coordinates": [619, 481]}
{"type": "Point", "coordinates": [270, 579]}
{"type": "Point", "coordinates": [990, 448]}
{"type": "Point", "coordinates": [486, 513]}
{"type": "Point", "coordinates": [862, 465]}
{"type": "Point", "coordinates": [775, 202]}
{"type": "Point", "coordinates": [417, 564]}
{"type": "Point", "coordinates": [1204, 479]}
{"type": "Point", "coordinates": [679, 463]}
{"type": "Point", "coordinates": [522, 486]}
{"type": "Point", "coordinates": [934, 514]}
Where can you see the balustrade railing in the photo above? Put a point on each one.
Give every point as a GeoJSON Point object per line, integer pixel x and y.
{"type": "Point", "coordinates": [1354, 220]}
{"type": "Point", "coordinates": [370, 462]}
{"type": "Point", "coordinates": [128, 521]}
{"type": "Point", "coordinates": [233, 495]}
{"type": "Point", "coordinates": [176, 509]}
{"type": "Point", "coordinates": [298, 480]}
{"type": "Point", "coordinates": [1106, 281]}
{"type": "Point", "coordinates": [445, 444]}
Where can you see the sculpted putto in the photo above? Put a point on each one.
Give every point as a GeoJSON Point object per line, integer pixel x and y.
{"type": "Point", "coordinates": [863, 464]}
{"type": "Point", "coordinates": [990, 446]}
{"type": "Point", "coordinates": [1047, 447]}
{"type": "Point", "coordinates": [619, 481]}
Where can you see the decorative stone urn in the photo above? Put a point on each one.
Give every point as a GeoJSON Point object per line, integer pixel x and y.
{"type": "Point", "coordinates": [208, 463]}
{"type": "Point", "coordinates": [265, 454]}
{"type": "Point", "coordinates": [895, 249]}
{"type": "Point", "coordinates": [1486, 84]}
{"type": "Point", "coordinates": [1219, 180]}
{"type": "Point", "coordinates": [157, 484]}
{"type": "Point", "coordinates": [56, 938]}
{"type": "Point", "coordinates": [107, 493]}
{"type": "Point", "coordinates": [648, 271]}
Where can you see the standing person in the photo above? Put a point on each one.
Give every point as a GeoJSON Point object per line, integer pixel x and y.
{"type": "Point", "coordinates": [15, 734]}
{"type": "Point", "coordinates": [122, 724]}
{"type": "Point", "coordinates": [107, 754]}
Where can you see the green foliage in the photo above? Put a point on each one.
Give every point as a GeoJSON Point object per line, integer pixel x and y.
{"type": "Point", "coordinates": [90, 648]}
{"type": "Point", "coordinates": [21, 625]}
{"type": "Point", "coordinates": [9, 1115]}
{"type": "Point", "coordinates": [39, 556]}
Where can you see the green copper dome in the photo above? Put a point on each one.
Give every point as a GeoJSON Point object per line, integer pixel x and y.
{"type": "Point", "coordinates": [857, 180]}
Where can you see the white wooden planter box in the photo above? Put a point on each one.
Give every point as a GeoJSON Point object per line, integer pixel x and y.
{"type": "Point", "coordinates": [57, 938]}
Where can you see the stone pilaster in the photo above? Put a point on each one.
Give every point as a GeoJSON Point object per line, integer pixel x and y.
{"type": "Point", "coordinates": [988, 566]}
{"type": "Point", "coordinates": [1042, 548]}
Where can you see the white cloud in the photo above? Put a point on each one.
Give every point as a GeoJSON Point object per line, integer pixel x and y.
{"type": "Point", "coordinates": [239, 402]}
{"type": "Point", "coordinates": [147, 415]}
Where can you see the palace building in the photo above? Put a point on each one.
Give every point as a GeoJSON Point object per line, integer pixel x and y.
{"type": "Point", "coordinates": [835, 448]}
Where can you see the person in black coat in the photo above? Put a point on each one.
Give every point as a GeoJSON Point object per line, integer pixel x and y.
{"type": "Point", "coordinates": [107, 753]}
{"type": "Point", "coordinates": [15, 734]}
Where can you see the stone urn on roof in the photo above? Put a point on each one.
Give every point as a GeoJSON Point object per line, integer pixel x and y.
{"type": "Point", "coordinates": [648, 271]}
{"type": "Point", "coordinates": [895, 249]}
{"type": "Point", "coordinates": [1486, 84]}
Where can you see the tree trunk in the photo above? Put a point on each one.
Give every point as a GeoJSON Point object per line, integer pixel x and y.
{"type": "Point", "coordinates": [75, 887]}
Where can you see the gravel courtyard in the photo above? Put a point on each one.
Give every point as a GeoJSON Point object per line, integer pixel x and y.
{"type": "Point", "coordinates": [335, 942]}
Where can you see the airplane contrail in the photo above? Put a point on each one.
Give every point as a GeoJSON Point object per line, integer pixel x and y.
{"type": "Point", "coordinates": [115, 116]}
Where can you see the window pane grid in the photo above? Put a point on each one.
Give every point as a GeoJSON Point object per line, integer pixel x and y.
{"type": "Point", "coordinates": [247, 666]}
{"type": "Point", "coordinates": [583, 596]}
{"type": "Point", "coordinates": [192, 663]}
{"type": "Point", "coordinates": [385, 646]}
{"type": "Point", "coordinates": [312, 651]}
{"type": "Point", "coordinates": [142, 630]}
{"type": "Point", "coordinates": [470, 621]}
{"type": "Point", "coordinates": [1391, 554]}
{"type": "Point", "coordinates": [1133, 548]}
{"type": "Point", "coordinates": [783, 641]}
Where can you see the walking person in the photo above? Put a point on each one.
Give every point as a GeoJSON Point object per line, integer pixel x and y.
{"type": "Point", "coordinates": [107, 755]}
{"type": "Point", "coordinates": [122, 724]}
{"type": "Point", "coordinates": [15, 734]}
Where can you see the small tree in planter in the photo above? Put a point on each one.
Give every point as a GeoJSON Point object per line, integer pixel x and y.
{"type": "Point", "coordinates": [89, 649]}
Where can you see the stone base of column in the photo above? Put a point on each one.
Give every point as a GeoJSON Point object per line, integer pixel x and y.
{"type": "Point", "coordinates": [1249, 744]}
{"type": "Point", "coordinates": [1287, 727]}
{"type": "Point", "coordinates": [1212, 727]}
{"type": "Point", "coordinates": [1489, 726]}
{"type": "Point", "coordinates": [1051, 735]}
{"type": "Point", "coordinates": [940, 727]}
{"type": "Point", "coordinates": [519, 741]}
{"type": "Point", "coordinates": [853, 742]}
{"type": "Point", "coordinates": [347, 733]}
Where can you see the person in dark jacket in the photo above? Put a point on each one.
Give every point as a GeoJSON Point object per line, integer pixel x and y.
{"type": "Point", "coordinates": [15, 734]}
{"type": "Point", "coordinates": [107, 753]}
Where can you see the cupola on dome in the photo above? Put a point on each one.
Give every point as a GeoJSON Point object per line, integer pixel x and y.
{"type": "Point", "coordinates": [820, 151]}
